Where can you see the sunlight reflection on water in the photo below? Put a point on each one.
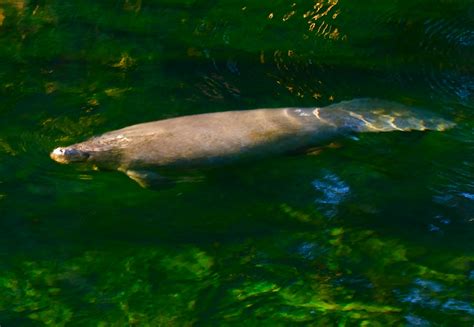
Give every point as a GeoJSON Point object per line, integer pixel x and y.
{"type": "Point", "coordinates": [430, 294]}
{"type": "Point", "coordinates": [333, 190]}
{"type": "Point", "coordinates": [416, 321]}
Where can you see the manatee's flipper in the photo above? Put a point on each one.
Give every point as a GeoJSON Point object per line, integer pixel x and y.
{"type": "Point", "coordinates": [314, 151]}
{"type": "Point", "coordinates": [152, 180]}
{"type": "Point", "coordinates": [149, 179]}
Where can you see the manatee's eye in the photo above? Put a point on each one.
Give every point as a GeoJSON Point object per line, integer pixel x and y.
{"type": "Point", "coordinates": [75, 155]}
{"type": "Point", "coordinates": [71, 153]}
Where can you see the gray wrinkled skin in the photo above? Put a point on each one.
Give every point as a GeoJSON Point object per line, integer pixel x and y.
{"type": "Point", "coordinates": [224, 137]}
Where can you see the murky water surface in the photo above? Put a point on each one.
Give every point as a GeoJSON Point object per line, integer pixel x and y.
{"type": "Point", "coordinates": [376, 230]}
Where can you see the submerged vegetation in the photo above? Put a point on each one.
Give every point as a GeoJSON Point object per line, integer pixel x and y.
{"type": "Point", "coordinates": [326, 275]}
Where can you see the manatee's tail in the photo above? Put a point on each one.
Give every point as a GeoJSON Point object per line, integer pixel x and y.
{"type": "Point", "coordinates": [374, 115]}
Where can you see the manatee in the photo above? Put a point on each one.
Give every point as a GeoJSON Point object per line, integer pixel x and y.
{"type": "Point", "coordinates": [212, 139]}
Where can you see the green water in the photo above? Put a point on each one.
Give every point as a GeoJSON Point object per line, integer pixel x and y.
{"type": "Point", "coordinates": [376, 232]}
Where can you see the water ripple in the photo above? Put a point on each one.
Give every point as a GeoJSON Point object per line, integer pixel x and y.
{"type": "Point", "coordinates": [455, 33]}
{"type": "Point", "coordinates": [430, 294]}
{"type": "Point", "coordinates": [449, 84]}
{"type": "Point", "coordinates": [454, 190]}
{"type": "Point", "coordinates": [333, 190]}
{"type": "Point", "coordinates": [416, 321]}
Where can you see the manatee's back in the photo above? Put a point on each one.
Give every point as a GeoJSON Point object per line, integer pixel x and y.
{"type": "Point", "coordinates": [213, 138]}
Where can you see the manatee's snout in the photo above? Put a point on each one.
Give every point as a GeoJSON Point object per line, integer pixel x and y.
{"type": "Point", "coordinates": [67, 155]}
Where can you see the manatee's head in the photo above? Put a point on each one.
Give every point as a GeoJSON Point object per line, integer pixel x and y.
{"type": "Point", "coordinates": [65, 155]}
{"type": "Point", "coordinates": [99, 151]}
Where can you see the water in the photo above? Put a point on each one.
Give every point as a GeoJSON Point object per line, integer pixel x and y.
{"type": "Point", "coordinates": [375, 230]}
